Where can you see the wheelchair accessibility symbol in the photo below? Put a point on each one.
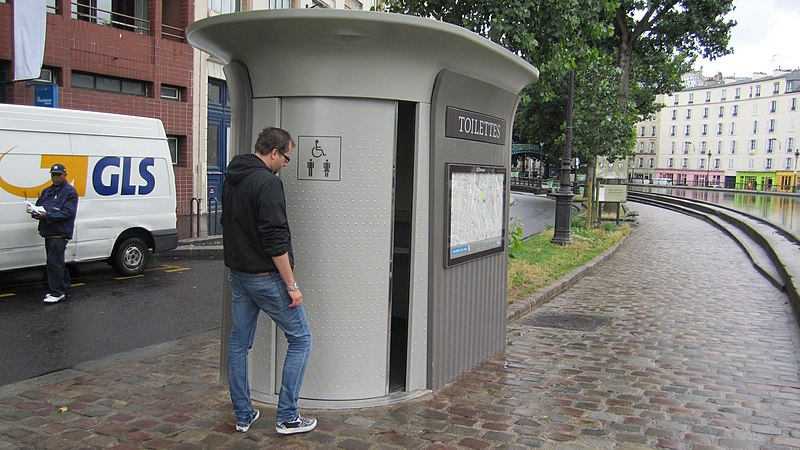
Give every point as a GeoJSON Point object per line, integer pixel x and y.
{"type": "Point", "coordinates": [319, 158]}
{"type": "Point", "coordinates": [317, 151]}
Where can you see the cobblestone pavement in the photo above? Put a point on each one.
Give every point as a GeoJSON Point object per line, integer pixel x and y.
{"type": "Point", "coordinates": [674, 342]}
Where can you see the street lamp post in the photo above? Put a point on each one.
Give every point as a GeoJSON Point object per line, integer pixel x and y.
{"type": "Point", "coordinates": [708, 168]}
{"type": "Point", "coordinates": [561, 231]}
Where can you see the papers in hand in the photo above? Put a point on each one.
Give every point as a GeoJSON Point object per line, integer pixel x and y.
{"type": "Point", "coordinates": [31, 208]}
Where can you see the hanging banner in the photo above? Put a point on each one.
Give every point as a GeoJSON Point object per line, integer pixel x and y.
{"type": "Point", "coordinates": [30, 22]}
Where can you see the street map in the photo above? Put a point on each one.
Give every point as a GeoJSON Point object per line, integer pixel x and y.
{"type": "Point", "coordinates": [476, 211]}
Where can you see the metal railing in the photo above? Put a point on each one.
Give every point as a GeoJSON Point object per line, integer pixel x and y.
{"type": "Point", "coordinates": [194, 215]}
{"type": "Point", "coordinates": [93, 14]}
{"type": "Point", "coordinates": [169, 31]}
{"type": "Point", "coordinates": [213, 216]}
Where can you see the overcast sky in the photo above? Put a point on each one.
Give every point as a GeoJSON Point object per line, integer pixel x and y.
{"type": "Point", "coordinates": [765, 38]}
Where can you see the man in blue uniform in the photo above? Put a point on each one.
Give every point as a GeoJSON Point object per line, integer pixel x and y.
{"type": "Point", "coordinates": [56, 225]}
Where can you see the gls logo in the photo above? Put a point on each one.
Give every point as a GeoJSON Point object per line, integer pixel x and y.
{"type": "Point", "coordinates": [111, 175]}
{"type": "Point", "coordinates": [114, 186]}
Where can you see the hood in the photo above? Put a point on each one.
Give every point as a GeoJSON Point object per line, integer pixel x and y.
{"type": "Point", "coordinates": [243, 165]}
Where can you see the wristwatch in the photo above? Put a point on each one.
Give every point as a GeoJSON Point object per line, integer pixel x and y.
{"type": "Point", "coordinates": [292, 287]}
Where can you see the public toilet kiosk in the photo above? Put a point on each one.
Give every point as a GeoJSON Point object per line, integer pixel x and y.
{"type": "Point", "coordinates": [397, 191]}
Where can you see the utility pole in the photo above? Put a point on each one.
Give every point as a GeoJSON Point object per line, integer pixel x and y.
{"type": "Point", "coordinates": [561, 234]}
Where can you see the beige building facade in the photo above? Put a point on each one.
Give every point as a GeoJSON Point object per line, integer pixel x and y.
{"type": "Point", "coordinates": [734, 133]}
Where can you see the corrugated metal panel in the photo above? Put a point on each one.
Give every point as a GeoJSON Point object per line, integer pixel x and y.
{"type": "Point", "coordinates": [467, 301]}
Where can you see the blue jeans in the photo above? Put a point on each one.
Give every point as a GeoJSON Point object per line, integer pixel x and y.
{"type": "Point", "coordinates": [252, 294]}
{"type": "Point", "coordinates": [57, 274]}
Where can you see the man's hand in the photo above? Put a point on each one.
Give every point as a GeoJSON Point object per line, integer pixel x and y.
{"type": "Point", "coordinates": [297, 298]}
{"type": "Point", "coordinates": [39, 216]}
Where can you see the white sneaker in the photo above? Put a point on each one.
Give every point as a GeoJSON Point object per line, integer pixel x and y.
{"type": "Point", "coordinates": [243, 427]}
{"type": "Point", "coordinates": [299, 425]}
{"type": "Point", "coordinates": [50, 298]}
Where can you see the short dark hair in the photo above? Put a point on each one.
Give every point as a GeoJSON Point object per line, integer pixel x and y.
{"type": "Point", "coordinates": [272, 137]}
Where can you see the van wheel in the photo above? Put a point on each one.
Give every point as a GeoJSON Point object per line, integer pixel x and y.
{"type": "Point", "coordinates": [130, 257]}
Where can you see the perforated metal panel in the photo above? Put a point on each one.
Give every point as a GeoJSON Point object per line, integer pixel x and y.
{"type": "Point", "coordinates": [341, 232]}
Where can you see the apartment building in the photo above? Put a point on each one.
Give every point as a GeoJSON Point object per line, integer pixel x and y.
{"type": "Point", "coordinates": [736, 133]}
{"type": "Point", "coordinates": [120, 56]}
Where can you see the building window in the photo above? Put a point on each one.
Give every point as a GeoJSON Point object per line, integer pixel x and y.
{"type": "Point", "coordinates": [776, 87]}
{"type": "Point", "coordinates": [641, 163]}
{"type": "Point", "coordinates": [721, 111]}
{"type": "Point", "coordinates": [130, 15]}
{"type": "Point", "coordinates": [705, 129]}
{"type": "Point", "coordinates": [788, 164]}
{"type": "Point", "coordinates": [280, 4]}
{"type": "Point", "coordinates": [719, 129]}
{"type": "Point", "coordinates": [641, 132]}
{"type": "Point", "coordinates": [671, 130]}
{"type": "Point", "coordinates": [752, 145]}
{"type": "Point", "coordinates": [670, 163]}
{"type": "Point", "coordinates": [733, 147]}
{"type": "Point", "coordinates": [691, 98]}
{"type": "Point", "coordinates": [672, 147]}
{"type": "Point", "coordinates": [652, 147]}
{"type": "Point", "coordinates": [768, 163]}
{"type": "Point", "coordinates": [755, 109]}
{"type": "Point", "coordinates": [708, 96]}
{"type": "Point", "coordinates": [703, 147]}
{"type": "Point", "coordinates": [717, 163]}
{"type": "Point", "coordinates": [737, 93]}
{"type": "Point", "coordinates": [171, 92]}
{"type": "Point", "coordinates": [705, 113]}
{"type": "Point", "coordinates": [675, 100]}
{"type": "Point", "coordinates": [701, 163]}
{"type": "Point", "coordinates": [684, 163]}
{"type": "Point", "coordinates": [650, 163]}
{"type": "Point", "coordinates": [735, 110]}
{"type": "Point", "coordinates": [750, 163]}
{"type": "Point", "coordinates": [652, 131]}
{"type": "Point", "coordinates": [758, 90]}
{"type": "Point", "coordinates": [222, 6]}
{"type": "Point", "coordinates": [688, 130]}
{"type": "Point", "coordinates": [771, 126]}
{"type": "Point", "coordinates": [730, 163]}
{"type": "Point", "coordinates": [686, 147]}
{"type": "Point", "coordinates": [109, 84]}
{"type": "Point", "coordinates": [755, 126]}
{"type": "Point", "coordinates": [688, 114]}
{"type": "Point", "coordinates": [770, 143]}
{"type": "Point", "coordinates": [674, 114]}
{"type": "Point", "coordinates": [724, 95]}
{"type": "Point", "coordinates": [174, 147]}
{"type": "Point", "coordinates": [773, 106]}
{"type": "Point", "coordinates": [789, 145]}
{"type": "Point", "coordinates": [733, 128]}
{"type": "Point", "coordinates": [794, 104]}
{"type": "Point", "coordinates": [719, 147]}
{"type": "Point", "coordinates": [641, 147]}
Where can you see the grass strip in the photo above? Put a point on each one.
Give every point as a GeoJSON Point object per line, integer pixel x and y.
{"type": "Point", "coordinates": [537, 262]}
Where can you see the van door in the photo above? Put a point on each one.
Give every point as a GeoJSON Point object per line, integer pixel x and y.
{"type": "Point", "coordinates": [218, 137]}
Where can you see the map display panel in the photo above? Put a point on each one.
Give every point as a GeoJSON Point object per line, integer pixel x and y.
{"type": "Point", "coordinates": [476, 207]}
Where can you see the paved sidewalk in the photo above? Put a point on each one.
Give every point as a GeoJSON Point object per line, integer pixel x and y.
{"type": "Point", "coordinates": [675, 342]}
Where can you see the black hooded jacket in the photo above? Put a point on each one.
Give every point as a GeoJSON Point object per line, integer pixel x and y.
{"type": "Point", "coordinates": [254, 223]}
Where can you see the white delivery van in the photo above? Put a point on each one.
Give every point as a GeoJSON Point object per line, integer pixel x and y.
{"type": "Point", "coordinates": [119, 165]}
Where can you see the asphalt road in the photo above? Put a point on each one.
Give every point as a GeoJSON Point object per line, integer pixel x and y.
{"type": "Point", "coordinates": [106, 314]}
{"type": "Point", "coordinates": [535, 211]}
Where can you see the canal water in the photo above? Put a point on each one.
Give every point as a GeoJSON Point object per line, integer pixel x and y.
{"type": "Point", "coordinates": [780, 209]}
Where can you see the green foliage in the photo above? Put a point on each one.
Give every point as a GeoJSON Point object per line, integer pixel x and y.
{"type": "Point", "coordinates": [625, 52]}
{"type": "Point", "coordinates": [515, 237]}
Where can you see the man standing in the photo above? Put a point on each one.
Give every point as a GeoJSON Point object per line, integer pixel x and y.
{"type": "Point", "coordinates": [56, 224]}
{"type": "Point", "coordinates": [258, 252]}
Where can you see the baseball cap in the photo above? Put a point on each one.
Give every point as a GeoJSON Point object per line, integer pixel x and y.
{"type": "Point", "coordinates": [58, 168]}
